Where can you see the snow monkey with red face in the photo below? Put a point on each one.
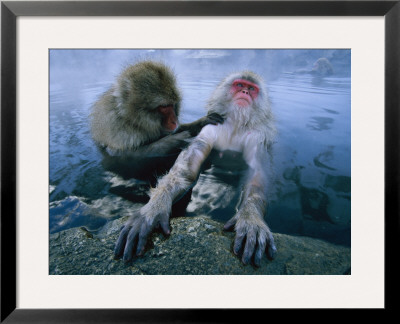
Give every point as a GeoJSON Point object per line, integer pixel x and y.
{"type": "Point", "coordinates": [242, 100]}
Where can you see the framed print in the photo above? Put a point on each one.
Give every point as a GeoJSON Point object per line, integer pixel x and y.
{"type": "Point", "coordinates": [294, 101]}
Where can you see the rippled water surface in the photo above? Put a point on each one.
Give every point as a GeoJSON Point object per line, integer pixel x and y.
{"type": "Point", "coordinates": [310, 192]}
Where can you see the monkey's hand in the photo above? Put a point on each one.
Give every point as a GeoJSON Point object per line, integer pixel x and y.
{"type": "Point", "coordinates": [170, 144]}
{"type": "Point", "coordinates": [253, 237]}
{"type": "Point", "coordinates": [195, 127]}
{"type": "Point", "coordinates": [133, 237]}
{"type": "Point", "coordinates": [213, 119]}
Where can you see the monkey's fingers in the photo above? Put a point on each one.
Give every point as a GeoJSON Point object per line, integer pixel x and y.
{"type": "Point", "coordinates": [215, 118]}
{"type": "Point", "coordinates": [261, 245]}
{"type": "Point", "coordinates": [271, 248]}
{"type": "Point", "coordinates": [143, 235]}
{"type": "Point", "coordinates": [238, 242]}
{"type": "Point", "coordinates": [249, 247]}
{"type": "Point", "coordinates": [229, 225]}
{"type": "Point", "coordinates": [130, 244]}
{"type": "Point", "coordinates": [120, 245]}
{"type": "Point", "coordinates": [164, 223]}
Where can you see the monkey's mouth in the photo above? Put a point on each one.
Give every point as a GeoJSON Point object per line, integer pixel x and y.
{"type": "Point", "coordinates": [171, 126]}
{"type": "Point", "coordinates": [169, 118]}
{"type": "Point", "coordinates": [243, 95]}
{"type": "Point", "coordinates": [242, 101]}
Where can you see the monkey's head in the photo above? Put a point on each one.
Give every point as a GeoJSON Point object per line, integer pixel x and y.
{"type": "Point", "coordinates": [146, 94]}
{"type": "Point", "coordinates": [243, 97]}
{"type": "Point", "coordinates": [322, 67]}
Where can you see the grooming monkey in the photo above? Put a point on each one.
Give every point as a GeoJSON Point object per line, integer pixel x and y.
{"type": "Point", "coordinates": [249, 129]}
{"type": "Point", "coordinates": [135, 122]}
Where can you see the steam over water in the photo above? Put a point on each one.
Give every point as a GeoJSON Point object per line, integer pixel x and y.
{"type": "Point", "coordinates": [310, 189]}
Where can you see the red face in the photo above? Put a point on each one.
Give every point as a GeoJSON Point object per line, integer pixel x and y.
{"type": "Point", "coordinates": [169, 119]}
{"type": "Point", "coordinates": [244, 92]}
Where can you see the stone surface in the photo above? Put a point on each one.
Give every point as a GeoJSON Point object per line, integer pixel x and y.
{"type": "Point", "coordinates": [196, 246]}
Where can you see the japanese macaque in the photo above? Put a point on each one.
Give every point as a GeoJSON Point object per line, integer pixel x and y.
{"type": "Point", "coordinates": [136, 122]}
{"type": "Point", "coordinates": [322, 67]}
{"type": "Point", "coordinates": [249, 129]}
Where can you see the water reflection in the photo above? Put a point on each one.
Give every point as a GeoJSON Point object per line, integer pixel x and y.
{"type": "Point", "coordinates": [320, 123]}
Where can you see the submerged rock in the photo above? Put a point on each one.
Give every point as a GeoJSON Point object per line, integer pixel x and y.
{"type": "Point", "coordinates": [196, 246]}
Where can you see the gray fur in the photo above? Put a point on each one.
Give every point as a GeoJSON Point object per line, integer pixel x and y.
{"type": "Point", "coordinates": [126, 117]}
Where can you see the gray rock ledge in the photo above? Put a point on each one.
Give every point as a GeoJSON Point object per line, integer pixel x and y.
{"type": "Point", "coordinates": [196, 246]}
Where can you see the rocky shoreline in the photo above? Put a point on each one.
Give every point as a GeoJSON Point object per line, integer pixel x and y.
{"type": "Point", "coordinates": [196, 246]}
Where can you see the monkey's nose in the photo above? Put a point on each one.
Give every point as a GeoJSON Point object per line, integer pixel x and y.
{"type": "Point", "coordinates": [245, 91]}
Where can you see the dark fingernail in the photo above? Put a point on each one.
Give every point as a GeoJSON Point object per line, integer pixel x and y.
{"type": "Point", "coordinates": [127, 260]}
{"type": "Point", "coordinates": [227, 227]}
{"type": "Point", "coordinates": [257, 258]}
{"type": "Point", "coordinates": [272, 252]}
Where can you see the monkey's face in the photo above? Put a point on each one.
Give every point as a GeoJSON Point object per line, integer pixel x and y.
{"type": "Point", "coordinates": [169, 120]}
{"type": "Point", "coordinates": [244, 92]}
{"type": "Point", "coordinates": [147, 96]}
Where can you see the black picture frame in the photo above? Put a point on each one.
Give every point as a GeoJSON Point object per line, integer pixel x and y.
{"type": "Point", "coordinates": [10, 10]}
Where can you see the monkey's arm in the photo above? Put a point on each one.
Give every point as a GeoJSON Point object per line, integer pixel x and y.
{"type": "Point", "coordinates": [170, 144]}
{"type": "Point", "coordinates": [177, 141]}
{"type": "Point", "coordinates": [170, 188]}
{"type": "Point", "coordinates": [195, 127]}
{"type": "Point", "coordinates": [249, 221]}
{"type": "Point", "coordinates": [147, 161]}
